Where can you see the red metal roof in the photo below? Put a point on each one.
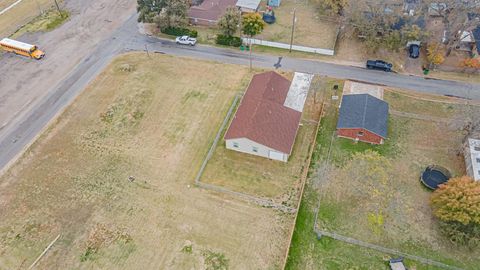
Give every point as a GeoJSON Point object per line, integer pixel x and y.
{"type": "Point", "coordinates": [210, 10]}
{"type": "Point", "coordinates": [262, 117]}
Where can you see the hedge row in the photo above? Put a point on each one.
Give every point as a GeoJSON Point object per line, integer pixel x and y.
{"type": "Point", "coordinates": [176, 31]}
{"type": "Point", "coordinates": [229, 41]}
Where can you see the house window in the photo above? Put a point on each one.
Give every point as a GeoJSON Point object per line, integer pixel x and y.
{"type": "Point", "coordinates": [478, 160]}
{"type": "Point", "coordinates": [235, 144]}
{"type": "Point", "coordinates": [477, 148]}
{"type": "Point", "coordinates": [360, 133]}
{"type": "Point", "coordinates": [255, 149]}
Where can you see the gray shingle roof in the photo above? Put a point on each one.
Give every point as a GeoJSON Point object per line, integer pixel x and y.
{"type": "Point", "coordinates": [364, 111]}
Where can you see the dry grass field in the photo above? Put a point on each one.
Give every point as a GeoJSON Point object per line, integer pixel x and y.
{"type": "Point", "coordinates": [114, 176]}
{"type": "Point", "coordinates": [262, 177]}
{"type": "Point", "coordinates": [310, 29]}
{"type": "Point", "coordinates": [21, 14]}
{"type": "Point", "coordinates": [373, 193]}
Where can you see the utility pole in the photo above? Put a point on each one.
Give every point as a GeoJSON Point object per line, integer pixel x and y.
{"type": "Point", "coordinates": [293, 27]}
{"type": "Point", "coordinates": [58, 7]}
{"type": "Point", "coordinates": [250, 51]}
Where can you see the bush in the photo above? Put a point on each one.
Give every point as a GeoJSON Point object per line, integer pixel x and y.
{"type": "Point", "coordinates": [461, 235]}
{"type": "Point", "coordinates": [176, 31]}
{"type": "Point", "coordinates": [229, 40]}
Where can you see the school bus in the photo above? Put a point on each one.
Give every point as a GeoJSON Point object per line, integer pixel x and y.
{"type": "Point", "coordinates": [21, 48]}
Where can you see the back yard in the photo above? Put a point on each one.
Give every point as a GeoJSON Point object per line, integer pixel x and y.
{"type": "Point", "coordinates": [263, 177]}
{"type": "Point", "coordinates": [114, 177]}
{"type": "Point", "coordinates": [373, 193]}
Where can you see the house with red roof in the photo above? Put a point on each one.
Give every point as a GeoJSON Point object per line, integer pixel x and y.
{"type": "Point", "coordinates": [209, 11]}
{"type": "Point", "coordinates": [268, 117]}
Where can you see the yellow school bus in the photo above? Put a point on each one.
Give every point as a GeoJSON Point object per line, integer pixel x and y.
{"type": "Point", "coordinates": [21, 48]}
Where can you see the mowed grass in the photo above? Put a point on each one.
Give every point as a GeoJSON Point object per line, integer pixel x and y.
{"type": "Point", "coordinates": [45, 22]}
{"type": "Point", "coordinates": [114, 176]}
{"type": "Point", "coordinates": [310, 29]}
{"type": "Point", "coordinates": [395, 212]}
{"type": "Point", "coordinates": [21, 14]}
{"type": "Point", "coordinates": [261, 176]}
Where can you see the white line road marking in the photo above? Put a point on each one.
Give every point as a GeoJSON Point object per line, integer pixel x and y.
{"type": "Point", "coordinates": [10, 7]}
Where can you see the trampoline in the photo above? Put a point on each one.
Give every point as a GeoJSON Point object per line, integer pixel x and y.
{"type": "Point", "coordinates": [434, 175]}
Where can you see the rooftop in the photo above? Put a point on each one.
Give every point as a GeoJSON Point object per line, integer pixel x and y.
{"type": "Point", "coordinates": [210, 10]}
{"type": "Point", "coordinates": [364, 111]}
{"type": "Point", "coordinates": [270, 110]}
{"type": "Point", "coordinates": [250, 4]}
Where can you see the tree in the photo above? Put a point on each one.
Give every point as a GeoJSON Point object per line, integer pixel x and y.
{"type": "Point", "coordinates": [174, 14]}
{"type": "Point", "coordinates": [472, 63]}
{"type": "Point", "coordinates": [435, 54]}
{"type": "Point", "coordinates": [373, 25]}
{"type": "Point", "coordinates": [230, 21]}
{"type": "Point", "coordinates": [252, 24]}
{"type": "Point", "coordinates": [457, 205]}
{"type": "Point", "coordinates": [413, 33]}
{"type": "Point", "coordinates": [148, 9]}
{"type": "Point", "coordinates": [456, 19]}
{"type": "Point", "coordinates": [336, 6]}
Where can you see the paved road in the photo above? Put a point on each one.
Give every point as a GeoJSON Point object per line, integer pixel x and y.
{"type": "Point", "coordinates": [18, 135]}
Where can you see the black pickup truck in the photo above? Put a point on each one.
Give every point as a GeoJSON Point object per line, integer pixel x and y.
{"type": "Point", "coordinates": [379, 65]}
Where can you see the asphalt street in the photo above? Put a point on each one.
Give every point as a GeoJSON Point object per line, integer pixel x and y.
{"type": "Point", "coordinates": [22, 132]}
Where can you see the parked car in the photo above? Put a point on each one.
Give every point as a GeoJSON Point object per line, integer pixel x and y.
{"type": "Point", "coordinates": [379, 65]}
{"type": "Point", "coordinates": [186, 40]}
{"type": "Point", "coordinates": [414, 51]}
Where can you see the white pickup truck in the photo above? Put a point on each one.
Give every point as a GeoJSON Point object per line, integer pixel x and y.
{"type": "Point", "coordinates": [186, 40]}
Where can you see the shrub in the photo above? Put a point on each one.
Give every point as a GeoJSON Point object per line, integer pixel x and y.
{"type": "Point", "coordinates": [229, 40]}
{"type": "Point", "coordinates": [457, 205]}
{"type": "Point", "coordinates": [176, 31]}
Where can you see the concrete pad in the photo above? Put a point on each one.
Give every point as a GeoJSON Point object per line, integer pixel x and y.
{"type": "Point", "coordinates": [352, 88]}
{"type": "Point", "coordinates": [298, 92]}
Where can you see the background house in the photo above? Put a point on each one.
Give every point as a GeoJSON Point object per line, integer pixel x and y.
{"type": "Point", "coordinates": [268, 118]}
{"type": "Point", "coordinates": [363, 117]}
{"type": "Point", "coordinates": [209, 12]}
{"type": "Point", "coordinates": [248, 6]}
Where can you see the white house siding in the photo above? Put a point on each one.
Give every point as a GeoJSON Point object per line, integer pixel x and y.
{"type": "Point", "coordinates": [246, 146]}
{"type": "Point", "coordinates": [472, 158]}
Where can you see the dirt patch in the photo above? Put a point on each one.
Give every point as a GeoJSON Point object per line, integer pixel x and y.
{"type": "Point", "coordinates": [119, 186]}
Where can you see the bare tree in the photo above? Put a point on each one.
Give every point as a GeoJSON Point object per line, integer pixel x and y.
{"type": "Point", "coordinates": [458, 18]}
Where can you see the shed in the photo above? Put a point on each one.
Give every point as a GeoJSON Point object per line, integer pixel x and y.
{"type": "Point", "coordinates": [268, 117]}
{"type": "Point", "coordinates": [274, 3]}
{"type": "Point", "coordinates": [397, 264]}
{"type": "Point", "coordinates": [363, 117]}
{"type": "Point", "coordinates": [248, 6]}
{"type": "Point", "coordinates": [209, 12]}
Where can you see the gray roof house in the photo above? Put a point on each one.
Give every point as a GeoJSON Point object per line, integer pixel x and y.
{"type": "Point", "coordinates": [363, 117]}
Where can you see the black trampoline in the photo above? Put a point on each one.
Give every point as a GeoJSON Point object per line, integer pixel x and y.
{"type": "Point", "coordinates": [434, 175]}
